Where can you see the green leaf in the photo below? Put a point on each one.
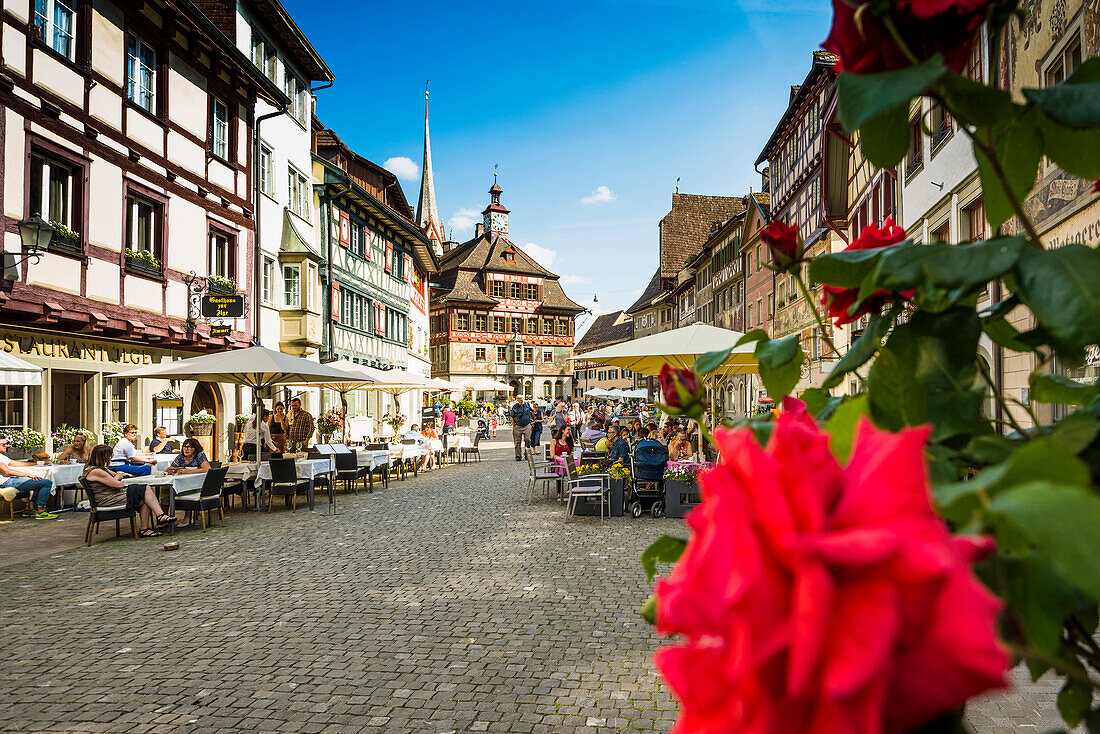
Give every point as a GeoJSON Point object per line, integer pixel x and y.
{"type": "Point", "coordinates": [974, 103]}
{"type": "Point", "coordinates": [845, 269]}
{"type": "Point", "coordinates": [816, 399]}
{"type": "Point", "coordinates": [842, 426]}
{"type": "Point", "coordinates": [884, 139]}
{"type": "Point", "coordinates": [707, 363]}
{"type": "Point", "coordinates": [861, 97]}
{"type": "Point", "coordinates": [1074, 701]}
{"type": "Point", "coordinates": [897, 399]}
{"type": "Point", "coordinates": [666, 549]}
{"type": "Point", "coordinates": [753, 336]}
{"type": "Point", "coordinates": [910, 266]}
{"type": "Point", "coordinates": [1019, 150]}
{"type": "Point", "coordinates": [1076, 432]}
{"type": "Point", "coordinates": [991, 449]}
{"type": "Point", "coordinates": [1037, 460]}
{"type": "Point", "coordinates": [649, 610]}
{"type": "Point", "coordinates": [1005, 334]}
{"type": "Point", "coordinates": [1039, 600]}
{"type": "Point", "coordinates": [1073, 105]}
{"type": "Point", "coordinates": [863, 348]}
{"type": "Point", "coordinates": [780, 365]}
{"type": "Point", "coordinates": [1076, 151]}
{"type": "Point", "coordinates": [1059, 286]}
{"type": "Point", "coordinates": [1062, 525]}
{"type": "Point", "coordinates": [1047, 388]}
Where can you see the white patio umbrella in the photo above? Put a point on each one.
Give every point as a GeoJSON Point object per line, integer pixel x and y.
{"type": "Point", "coordinates": [485, 384]}
{"type": "Point", "coordinates": [596, 392]}
{"type": "Point", "coordinates": [639, 394]}
{"type": "Point", "coordinates": [255, 367]}
{"type": "Point", "coordinates": [15, 372]}
{"type": "Point", "coordinates": [343, 385]}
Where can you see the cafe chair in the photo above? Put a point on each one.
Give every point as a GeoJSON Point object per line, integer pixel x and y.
{"type": "Point", "coordinates": [541, 471]}
{"type": "Point", "coordinates": [207, 499]}
{"type": "Point", "coordinates": [382, 470]}
{"type": "Point", "coordinates": [349, 472]}
{"type": "Point", "coordinates": [472, 450]}
{"type": "Point", "coordinates": [587, 486]}
{"type": "Point", "coordinates": [285, 481]}
{"type": "Point", "coordinates": [104, 514]}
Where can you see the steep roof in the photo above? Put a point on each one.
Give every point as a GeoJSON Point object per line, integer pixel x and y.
{"type": "Point", "coordinates": [611, 328]}
{"type": "Point", "coordinates": [329, 146]}
{"type": "Point", "coordinates": [686, 228]}
{"type": "Point", "coordinates": [652, 290]}
{"type": "Point", "coordinates": [822, 65]}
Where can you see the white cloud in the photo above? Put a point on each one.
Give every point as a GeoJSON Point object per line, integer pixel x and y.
{"type": "Point", "coordinates": [544, 256]}
{"type": "Point", "coordinates": [573, 280]}
{"type": "Point", "coordinates": [403, 168]}
{"type": "Point", "coordinates": [463, 220]}
{"type": "Point", "coordinates": [602, 195]}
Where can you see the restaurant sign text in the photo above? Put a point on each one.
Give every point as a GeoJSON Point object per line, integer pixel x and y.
{"type": "Point", "coordinates": [36, 346]}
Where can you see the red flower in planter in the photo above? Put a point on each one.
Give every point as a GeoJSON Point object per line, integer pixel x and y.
{"type": "Point", "coordinates": [817, 598]}
{"type": "Point", "coordinates": [839, 301]}
{"type": "Point", "coordinates": [947, 27]}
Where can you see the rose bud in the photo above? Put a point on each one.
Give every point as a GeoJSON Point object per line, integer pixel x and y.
{"type": "Point", "coordinates": [681, 392]}
{"type": "Point", "coordinates": [785, 244]}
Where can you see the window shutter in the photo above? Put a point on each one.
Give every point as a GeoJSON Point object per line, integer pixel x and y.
{"type": "Point", "coordinates": [368, 243]}
{"type": "Point", "coordinates": [389, 257]}
{"type": "Point", "coordinates": [408, 267]}
{"type": "Point", "coordinates": [345, 229]}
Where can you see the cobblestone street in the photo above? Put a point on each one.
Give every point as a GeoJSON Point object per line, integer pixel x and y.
{"type": "Point", "coordinates": [442, 604]}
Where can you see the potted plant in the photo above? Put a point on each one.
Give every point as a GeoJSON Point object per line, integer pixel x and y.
{"type": "Point", "coordinates": [64, 239]}
{"type": "Point", "coordinates": [143, 262]}
{"type": "Point", "coordinates": [201, 424]}
{"type": "Point", "coordinates": [681, 491]}
{"type": "Point", "coordinates": [24, 444]}
{"type": "Point", "coordinates": [218, 284]}
{"type": "Point", "coordinates": [111, 432]}
{"type": "Point", "coordinates": [620, 480]}
{"type": "Point", "coordinates": [63, 437]}
{"type": "Point", "coordinates": [590, 506]}
{"type": "Point", "coordinates": [239, 422]}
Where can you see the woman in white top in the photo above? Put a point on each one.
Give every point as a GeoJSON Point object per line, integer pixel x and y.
{"type": "Point", "coordinates": [249, 450]}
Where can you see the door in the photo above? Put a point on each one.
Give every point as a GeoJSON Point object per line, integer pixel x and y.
{"type": "Point", "coordinates": [206, 399]}
{"type": "Point", "coordinates": [67, 399]}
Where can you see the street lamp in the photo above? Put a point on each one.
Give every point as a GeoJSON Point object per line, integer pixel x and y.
{"type": "Point", "coordinates": [36, 234]}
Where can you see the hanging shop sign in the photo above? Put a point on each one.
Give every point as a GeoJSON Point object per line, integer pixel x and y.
{"type": "Point", "coordinates": [220, 330]}
{"type": "Point", "coordinates": [218, 306]}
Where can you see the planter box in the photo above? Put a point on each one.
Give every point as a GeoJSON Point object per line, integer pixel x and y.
{"type": "Point", "coordinates": [213, 287]}
{"type": "Point", "coordinates": [140, 267]}
{"type": "Point", "coordinates": [681, 495]}
{"type": "Point", "coordinates": [591, 507]}
{"type": "Point", "coordinates": [66, 246]}
{"type": "Point", "coordinates": [201, 429]}
{"type": "Point", "coordinates": [24, 454]}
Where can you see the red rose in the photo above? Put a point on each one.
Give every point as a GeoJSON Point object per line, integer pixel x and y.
{"type": "Point", "coordinates": [839, 301]}
{"type": "Point", "coordinates": [817, 598]}
{"type": "Point", "coordinates": [784, 242]}
{"type": "Point", "coordinates": [1096, 185]}
{"type": "Point", "coordinates": [946, 27]}
{"type": "Point", "coordinates": [680, 390]}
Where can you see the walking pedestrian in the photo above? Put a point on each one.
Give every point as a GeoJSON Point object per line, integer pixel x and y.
{"type": "Point", "coordinates": [522, 417]}
{"type": "Point", "coordinates": [539, 415]}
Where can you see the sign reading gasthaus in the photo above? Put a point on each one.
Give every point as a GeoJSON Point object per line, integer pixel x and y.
{"type": "Point", "coordinates": [223, 307]}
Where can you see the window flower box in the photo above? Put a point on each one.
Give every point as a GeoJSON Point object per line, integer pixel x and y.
{"type": "Point", "coordinates": [217, 284]}
{"type": "Point", "coordinates": [142, 262]}
{"type": "Point", "coordinates": [65, 241]}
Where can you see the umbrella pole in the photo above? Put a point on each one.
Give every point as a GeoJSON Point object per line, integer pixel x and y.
{"type": "Point", "coordinates": [257, 406]}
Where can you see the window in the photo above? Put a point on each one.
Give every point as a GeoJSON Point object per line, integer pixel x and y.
{"type": "Point", "coordinates": [974, 221]}
{"type": "Point", "coordinates": [532, 292]}
{"type": "Point", "coordinates": [547, 327]}
{"type": "Point", "coordinates": [498, 324]}
{"type": "Point", "coordinates": [815, 194]}
{"type": "Point", "coordinates": [479, 354]}
{"type": "Point", "coordinates": [748, 315]}
{"type": "Point", "coordinates": [940, 124]}
{"type": "Point", "coordinates": [296, 90]}
{"type": "Point", "coordinates": [914, 159]}
{"type": "Point", "coordinates": [563, 327]}
{"type": "Point", "coordinates": [56, 191]}
{"type": "Point", "coordinates": [143, 230]}
{"type": "Point", "coordinates": [219, 129]}
{"type": "Point", "coordinates": [1064, 61]}
{"type": "Point", "coordinates": [141, 74]}
{"type": "Point", "coordinates": [529, 355]}
{"type": "Point", "coordinates": [267, 278]}
{"type": "Point", "coordinates": [267, 171]}
{"type": "Point", "coordinates": [502, 354]}
{"type": "Point", "coordinates": [941, 234]}
{"type": "Point", "coordinates": [515, 290]}
{"type": "Point", "coordinates": [814, 119]}
{"type": "Point", "coordinates": [771, 305]}
{"type": "Point", "coordinates": [221, 254]}
{"type": "Point", "coordinates": [547, 356]}
{"type": "Point", "coordinates": [517, 325]}
{"type": "Point", "coordinates": [480, 322]}
{"type": "Point", "coordinates": [532, 326]}
{"type": "Point", "coordinates": [263, 55]}
{"type": "Point", "coordinates": [461, 322]}
{"type": "Point", "coordinates": [356, 240]}
{"type": "Point", "coordinates": [115, 400]}
{"type": "Point", "coordinates": [56, 22]}
{"type": "Point", "coordinates": [11, 407]}
{"type": "Point", "coordinates": [292, 286]}
{"type": "Point", "coordinates": [496, 288]}
{"type": "Point", "coordinates": [299, 192]}
{"type": "Point", "coordinates": [974, 63]}
{"type": "Point", "coordinates": [759, 310]}
{"type": "Point", "coordinates": [815, 344]}
{"type": "Point", "coordinates": [355, 310]}
{"type": "Point", "coordinates": [310, 294]}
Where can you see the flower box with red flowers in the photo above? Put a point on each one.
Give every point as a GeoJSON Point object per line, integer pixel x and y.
{"type": "Point", "coordinates": [681, 492]}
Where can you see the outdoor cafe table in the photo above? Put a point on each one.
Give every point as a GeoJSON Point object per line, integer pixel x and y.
{"type": "Point", "coordinates": [307, 469]}
{"type": "Point", "coordinates": [401, 452]}
{"type": "Point", "coordinates": [692, 465]}
{"type": "Point", "coordinates": [179, 484]}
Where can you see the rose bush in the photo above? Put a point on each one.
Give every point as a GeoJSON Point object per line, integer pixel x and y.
{"type": "Point", "coordinates": [839, 302]}
{"type": "Point", "coordinates": [819, 598]}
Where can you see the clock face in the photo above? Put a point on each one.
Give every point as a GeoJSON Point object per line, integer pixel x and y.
{"type": "Point", "coordinates": [500, 222]}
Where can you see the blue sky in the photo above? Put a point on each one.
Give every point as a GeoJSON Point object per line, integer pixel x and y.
{"type": "Point", "coordinates": [567, 98]}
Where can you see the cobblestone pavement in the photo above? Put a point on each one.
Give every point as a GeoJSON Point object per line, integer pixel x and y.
{"type": "Point", "coordinates": [441, 604]}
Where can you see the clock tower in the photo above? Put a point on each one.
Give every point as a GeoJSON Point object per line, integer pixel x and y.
{"type": "Point", "coordinates": [495, 216]}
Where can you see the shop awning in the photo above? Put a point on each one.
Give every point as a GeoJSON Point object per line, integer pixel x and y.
{"type": "Point", "coordinates": [17, 372]}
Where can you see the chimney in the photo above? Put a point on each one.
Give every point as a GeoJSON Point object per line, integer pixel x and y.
{"type": "Point", "coordinates": [449, 245]}
{"type": "Point", "coordinates": [479, 228]}
{"type": "Point", "coordinates": [765, 179]}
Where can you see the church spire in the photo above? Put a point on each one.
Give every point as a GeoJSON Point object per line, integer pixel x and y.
{"type": "Point", "coordinates": [427, 213]}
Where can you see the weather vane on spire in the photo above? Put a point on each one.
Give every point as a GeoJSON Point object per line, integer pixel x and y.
{"type": "Point", "coordinates": [495, 166]}
{"type": "Point", "coordinates": [677, 184]}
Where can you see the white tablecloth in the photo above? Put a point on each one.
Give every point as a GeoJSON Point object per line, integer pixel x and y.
{"type": "Point", "coordinates": [460, 441]}
{"type": "Point", "coordinates": [435, 445]}
{"type": "Point", "coordinates": [180, 483]}
{"type": "Point", "coordinates": [404, 451]}
{"type": "Point", "coordinates": [61, 475]}
{"type": "Point", "coordinates": [373, 459]}
{"type": "Point", "coordinates": [307, 468]}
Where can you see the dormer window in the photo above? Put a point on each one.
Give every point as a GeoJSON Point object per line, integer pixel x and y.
{"type": "Point", "coordinates": [510, 256]}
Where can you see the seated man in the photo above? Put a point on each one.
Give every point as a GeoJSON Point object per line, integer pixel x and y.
{"type": "Point", "coordinates": [594, 432]}
{"type": "Point", "coordinates": [428, 461]}
{"type": "Point", "coordinates": [619, 452]}
{"type": "Point", "coordinates": [680, 448]}
{"type": "Point", "coordinates": [21, 481]}
{"type": "Point", "coordinates": [125, 457]}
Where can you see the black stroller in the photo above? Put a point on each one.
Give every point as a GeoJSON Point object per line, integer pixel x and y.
{"type": "Point", "coordinates": [647, 475]}
{"type": "Point", "coordinates": [483, 428]}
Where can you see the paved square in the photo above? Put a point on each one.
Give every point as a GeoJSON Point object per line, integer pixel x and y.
{"type": "Point", "coordinates": [441, 604]}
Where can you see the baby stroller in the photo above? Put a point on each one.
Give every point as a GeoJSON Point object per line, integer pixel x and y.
{"type": "Point", "coordinates": [483, 428]}
{"type": "Point", "coordinates": [647, 484]}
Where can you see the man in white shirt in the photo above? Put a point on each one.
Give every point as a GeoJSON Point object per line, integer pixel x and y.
{"type": "Point", "coordinates": [414, 434]}
{"type": "Point", "coordinates": [126, 457]}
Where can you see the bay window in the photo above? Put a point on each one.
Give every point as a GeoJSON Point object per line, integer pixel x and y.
{"type": "Point", "coordinates": [292, 286]}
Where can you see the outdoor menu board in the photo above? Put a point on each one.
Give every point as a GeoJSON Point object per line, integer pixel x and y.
{"type": "Point", "coordinates": [217, 306]}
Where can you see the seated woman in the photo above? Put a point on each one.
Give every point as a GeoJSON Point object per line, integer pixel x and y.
{"type": "Point", "coordinates": [680, 448]}
{"type": "Point", "coordinates": [563, 441]}
{"type": "Point", "coordinates": [125, 457]}
{"type": "Point", "coordinates": [428, 462]}
{"type": "Point", "coordinates": [191, 460]}
{"type": "Point", "coordinates": [108, 490]}
{"type": "Point", "coordinates": [161, 443]}
{"type": "Point", "coordinates": [79, 450]}
{"type": "Point", "coordinates": [248, 450]}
